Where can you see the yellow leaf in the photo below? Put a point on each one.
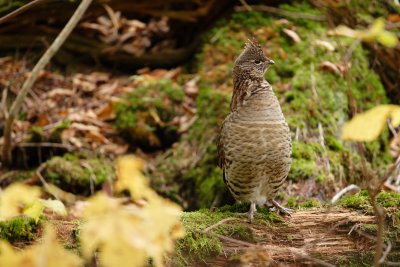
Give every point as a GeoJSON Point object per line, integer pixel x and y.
{"type": "Point", "coordinates": [129, 230]}
{"type": "Point", "coordinates": [54, 205]}
{"type": "Point", "coordinates": [118, 254]}
{"type": "Point", "coordinates": [47, 253]}
{"type": "Point", "coordinates": [130, 177]}
{"type": "Point", "coordinates": [367, 126]}
{"type": "Point", "coordinates": [35, 210]}
{"type": "Point", "coordinates": [15, 197]}
{"type": "Point", "coordinates": [376, 32]}
{"type": "Point", "coordinates": [377, 28]}
{"type": "Point", "coordinates": [387, 39]}
{"type": "Point", "coordinates": [8, 257]}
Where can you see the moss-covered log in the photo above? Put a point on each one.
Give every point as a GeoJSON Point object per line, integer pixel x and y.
{"type": "Point", "coordinates": [305, 238]}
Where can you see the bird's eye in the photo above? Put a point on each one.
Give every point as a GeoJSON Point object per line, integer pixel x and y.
{"type": "Point", "coordinates": [258, 62]}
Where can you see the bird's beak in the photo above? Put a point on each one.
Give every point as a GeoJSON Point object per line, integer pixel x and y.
{"type": "Point", "coordinates": [271, 62]}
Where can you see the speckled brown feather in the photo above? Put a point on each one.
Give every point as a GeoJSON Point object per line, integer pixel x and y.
{"type": "Point", "coordinates": [254, 145]}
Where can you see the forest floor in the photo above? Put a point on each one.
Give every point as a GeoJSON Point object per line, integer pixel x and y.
{"type": "Point", "coordinates": [78, 119]}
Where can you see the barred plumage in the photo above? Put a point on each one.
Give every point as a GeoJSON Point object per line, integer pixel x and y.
{"type": "Point", "coordinates": [254, 145]}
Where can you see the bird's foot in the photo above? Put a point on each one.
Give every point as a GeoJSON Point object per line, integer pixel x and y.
{"type": "Point", "coordinates": [252, 211]}
{"type": "Point", "coordinates": [281, 209]}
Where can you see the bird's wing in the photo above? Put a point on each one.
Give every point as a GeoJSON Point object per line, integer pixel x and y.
{"type": "Point", "coordinates": [220, 147]}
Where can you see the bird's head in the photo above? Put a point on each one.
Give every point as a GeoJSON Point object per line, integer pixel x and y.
{"type": "Point", "coordinates": [252, 60]}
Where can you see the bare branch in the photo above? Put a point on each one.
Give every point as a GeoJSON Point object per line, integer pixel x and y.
{"type": "Point", "coordinates": [20, 10]}
{"type": "Point", "coordinates": [344, 191]}
{"type": "Point", "coordinates": [281, 12]}
{"type": "Point", "coordinates": [387, 250]}
{"type": "Point", "coordinates": [218, 224]}
{"type": "Point", "coordinates": [26, 87]}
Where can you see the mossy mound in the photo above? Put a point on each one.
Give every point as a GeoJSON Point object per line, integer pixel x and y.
{"type": "Point", "coordinates": [147, 115]}
{"type": "Point", "coordinates": [315, 100]}
{"type": "Point", "coordinates": [360, 200]}
{"type": "Point", "coordinates": [20, 228]}
{"type": "Point", "coordinates": [77, 174]}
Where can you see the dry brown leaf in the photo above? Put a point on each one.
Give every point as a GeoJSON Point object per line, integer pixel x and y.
{"type": "Point", "coordinates": [115, 149]}
{"type": "Point", "coordinates": [293, 35]}
{"type": "Point", "coordinates": [329, 66]}
{"type": "Point", "coordinates": [43, 120]}
{"type": "Point", "coordinates": [59, 92]}
{"type": "Point", "coordinates": [393, 18]}
{"type": "Point", "coordinates": [85, 127]}
{"type": "Point", "coordinates": [191, 89]}
{"type": "Point", "coordinates": [105, 112]}
{"type": "Point", "coordinates": [96, 137]}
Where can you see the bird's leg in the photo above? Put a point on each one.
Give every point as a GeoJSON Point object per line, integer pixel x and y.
{"type": "Point", "coordinates": [281, 208]}
{"type": "Point", "coordinates": [252, 210]}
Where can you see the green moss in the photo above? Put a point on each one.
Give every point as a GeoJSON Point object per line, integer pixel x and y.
{"type": "Point", "coordinates": [78, 175]}
{"type": "Point", "coordinates": [18, 229]}
{"type": "Point", "coordinates": [389, 199]}
{"type": "Point", "coordinates": [302, 169]}
{"type": "Point", "coordinates": [196, 246]}
{"type": "Point", "coordinates": [262, 213]}
{"type": "Point", "coordinates": [361, 200]}
{"type": "Point", "coordinates": [146, 114]}
{"type": "Point", "coordinates": [311, 203]}
{"type": "Point", "coordinates": [292, 202]}
{"type": "Point", "coordinates": [357, 201]}
{"type": "Point", "coordinates": [316, 104]}
{"type": "Point", "coordinates": [369, 228]}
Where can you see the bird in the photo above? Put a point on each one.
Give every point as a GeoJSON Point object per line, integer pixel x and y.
{"type": "Point", "coordinates": [254, 144]}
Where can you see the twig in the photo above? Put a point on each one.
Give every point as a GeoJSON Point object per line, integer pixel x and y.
{"type": "Point", "coordinates": [26, 87]}
{"type": "Point", "coordinates": [308, 257]}
{"type": "Point", "coordinates": [45, 184]}
{"type": "Point", "coordinates": [46, 144]}
{"type": "Point", "coordinates": [391, 128]}
{"type": "Point", "coordinates": [344, 191]}
{"type": "Point", "coordinates": [4, 103]}
{"type": "Point", "coordinates": [232, 240]}
{"type": "Point", "coordinates": [218, 224]}
{"type": "Point", "coordinates": [280, 12]}
{"type": "Point", "coordinates": [20, 10]}
{"type": "Point", "coordinates": [380, 221]}
{"type": "Point", "coordinates": [245, 5]}
{"type": "Point", "coordinates": [92, 176]}
{"type": "Point", "coordinates": [392, 263]}
{"type": "Point", "coordinates": [387, 250]}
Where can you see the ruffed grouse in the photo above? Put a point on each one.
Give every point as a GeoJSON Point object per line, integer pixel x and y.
{"type": "Point", "coordinates": [254, 145]}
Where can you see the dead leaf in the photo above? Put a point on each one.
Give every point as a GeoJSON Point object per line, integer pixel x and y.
{"type": "Point", "coordinates": [191, 89]}
{"type": "Point", "coordinates": [325, 45]}
{"type": "Point", "coordinates": [293, 35]}
{"type": "Point", "coordinates": [105, 112]}
{"type": "Point", "coordinates": [339, 69]}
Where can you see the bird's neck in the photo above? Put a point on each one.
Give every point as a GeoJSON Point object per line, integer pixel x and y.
{"type": "Point", "coordinates": [248, 87]}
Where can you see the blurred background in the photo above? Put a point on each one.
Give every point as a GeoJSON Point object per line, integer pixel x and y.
{"type": "Point", "coordinates": [153, 78]}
